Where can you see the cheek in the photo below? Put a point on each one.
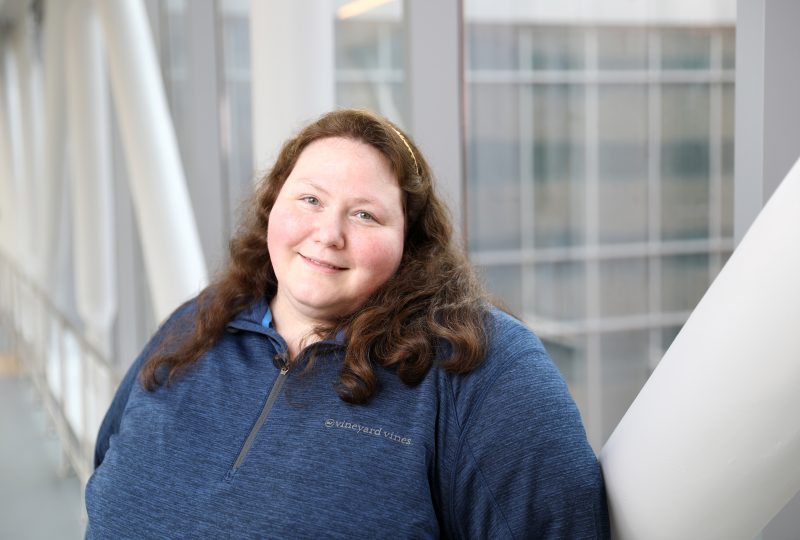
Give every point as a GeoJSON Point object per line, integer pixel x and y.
{"type": "Point", "coordinates": [282, 230]}
{"type": "Point", "coordinates": [382, 256]}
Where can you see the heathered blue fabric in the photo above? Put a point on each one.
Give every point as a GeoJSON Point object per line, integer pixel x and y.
{"type": "Point", "coordinates": [496, 453]}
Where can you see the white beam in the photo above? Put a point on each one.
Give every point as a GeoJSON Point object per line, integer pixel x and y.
{"type": "Point", "coordinates": [90, 161]}
{"type": "Point", "coordinates": [16, 164]}
{"type": "Point", "coordinates": [173, 257]}
{"type": "Point", "coordinates": [8, 229]}
{"type": "Point", "coordinates": [52, 181]}
{"type": "Point", "coordinates": [709, 447]}
{"type": "Point", "coordinates": [27, 73]}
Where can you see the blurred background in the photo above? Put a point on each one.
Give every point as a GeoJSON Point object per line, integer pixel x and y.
{"type": "Point", "coordinates": [586, 149]}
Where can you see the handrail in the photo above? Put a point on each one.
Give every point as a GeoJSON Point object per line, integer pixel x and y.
{"type": "Point", "coordinates": [73, 379]}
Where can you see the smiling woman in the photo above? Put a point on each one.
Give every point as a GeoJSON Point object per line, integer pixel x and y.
{"type": "Point", "coordinates": [335, 235]}
{"type": "Point", "coordinates": [345, 376]}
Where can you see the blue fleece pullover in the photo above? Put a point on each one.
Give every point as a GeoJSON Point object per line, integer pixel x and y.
{"type": "Point", "coordinates": [241, 447]}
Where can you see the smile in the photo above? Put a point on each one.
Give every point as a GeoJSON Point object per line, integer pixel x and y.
{"type": "Point", "coordinates": [321, 264]}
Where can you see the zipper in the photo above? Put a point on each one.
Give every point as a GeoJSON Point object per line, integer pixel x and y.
{"type": "Point", "coordinates": [280, 362]}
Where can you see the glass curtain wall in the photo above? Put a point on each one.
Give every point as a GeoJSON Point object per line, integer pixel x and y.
{"type": "Point", "coordinates": [236, 102]}
{"type": "Point", "coordinates": [599, 157]}
{"type": "Point", "coordinates": [599, 174]}
{"type": "Point", "coordinates": [231, 49]}
{"type": "Point", "coordinates": [370, 58]}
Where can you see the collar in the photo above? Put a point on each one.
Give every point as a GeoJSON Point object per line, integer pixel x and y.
{"type": "Point", "coordinates": [258, 318]}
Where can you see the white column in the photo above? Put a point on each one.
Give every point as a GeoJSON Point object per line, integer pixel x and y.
{"type": "Point", "coordinates": [709, 448]}
{"type": "Point", "coordinates": [767, 132]}
{"type": "Point", "coordinates": [90, 168]}
{"type": "Point", "coordinates": [291, 44]}
{"type": "Point", "coordinates": [52, 181]}
{"type": "Point", "coordinates": [30, 103]}
{"type": "Point", "coordinates": [16, 163]}
{"type": "Point", "coordinates": [8, 228]}
{"type": "Point", "coordinates": [767, 107]}
{"type": "Point", "coordinates": [171, 245]}
{"type": "Point", "coordinates": [434, 71]}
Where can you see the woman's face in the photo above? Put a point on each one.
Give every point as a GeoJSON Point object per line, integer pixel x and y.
{"type": "Point", "coordinates": [336, 230]}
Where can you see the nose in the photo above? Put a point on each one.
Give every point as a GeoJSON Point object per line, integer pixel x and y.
{"type": "Point", "coordinates": [329, 230]}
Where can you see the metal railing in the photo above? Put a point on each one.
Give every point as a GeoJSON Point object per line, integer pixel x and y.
{"type": "Point", "coordinates": [74, 381]}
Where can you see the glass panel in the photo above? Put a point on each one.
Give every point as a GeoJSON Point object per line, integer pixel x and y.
{"type": "Point", "coordinates": [623, 287]}
{"type": "Point", "coordinates": [685, 48]}
{"type": "Point", "coordinates": [369, 61]}
{"type": "Point", "coordinates": [504, 282]}
{"type": "Point", "coordinates": [569, 356]}
{"type": "Point", "coordinates": [236, 124]}
{"type": "Point", "coordinates": [622, 48]}
{"type": "Point", "coordinates": [727, 159]}
{"type": "Point", "coordinates": [553, 48]}
{"type": "Point", "coordinates": [622, 163]}
{"type": "Point", "coordinates": [684, 280]}
{"type": "Point", "coordinates": [625, 370]}
{"type": "Point", "coordinates": [493, 168]}
{"type": "Point", "coordinates": [491, 47]}
{"type": "Point", "coordinates": [387, 97]}
{"type": "Point", "coordinates": [558, 164]}
{"type": "Point", "coordinates": [728, 48]}
{"type": "Point", "coordinates": [357, 44]}
{"type": "Point", "coordinates": [548, 98]}
{"type": "Point", "coordinates": [175, 69]}
{"type": "Point", "coordinates": [668, 335]}
{"type": "Point", "coordinates": [558, 291]}
{"type": "Point", "coordinates": [685, 161]}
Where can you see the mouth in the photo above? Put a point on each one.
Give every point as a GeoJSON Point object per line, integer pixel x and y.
{"type": "Point", "coordinates": [321, 264]}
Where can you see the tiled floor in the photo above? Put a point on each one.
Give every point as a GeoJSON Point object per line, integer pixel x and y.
{"type": "Point", "coordinates": [36, 500]}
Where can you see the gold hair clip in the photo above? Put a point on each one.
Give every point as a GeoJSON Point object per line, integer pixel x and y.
{"type": "Point", "coordinates": [410, 151]}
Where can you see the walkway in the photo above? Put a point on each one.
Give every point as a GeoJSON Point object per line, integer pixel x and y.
{"type": "Point", "coordinates": [37, 502]}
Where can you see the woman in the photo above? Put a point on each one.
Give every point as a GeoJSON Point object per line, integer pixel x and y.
{"type": "Point", "coordinates": [344, 377]}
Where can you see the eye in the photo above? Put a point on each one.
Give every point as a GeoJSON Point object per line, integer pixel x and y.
{"type": "Point", "coordinates": [310, 199]}
{"type": "Point", "coordinates": [366, 216]}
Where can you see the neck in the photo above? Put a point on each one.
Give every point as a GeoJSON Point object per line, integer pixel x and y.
{"type": "Point", "coordinates": [297, 329]}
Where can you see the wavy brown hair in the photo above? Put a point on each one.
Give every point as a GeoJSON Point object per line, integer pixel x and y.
{"type": "Point", "coordinates": [431, 310]}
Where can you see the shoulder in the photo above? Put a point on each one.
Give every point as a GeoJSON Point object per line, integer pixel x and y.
{"type": "Point", "coordinates": [523, 461]}
{"type": "Point", "coordinates": [518, 383]}
{"type": "Point", "coordinates": [516, 365]}
{"type": "Point", "coordinates": [177, 322]}
{"type": "Point", "coordinates": [506, 334]}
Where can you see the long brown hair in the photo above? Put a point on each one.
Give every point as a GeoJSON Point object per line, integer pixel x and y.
{"type": "Point", "coordinates": [432, 306]}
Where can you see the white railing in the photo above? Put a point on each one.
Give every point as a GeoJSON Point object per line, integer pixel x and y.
{"type": "Point", "coordinates": [75, 382]}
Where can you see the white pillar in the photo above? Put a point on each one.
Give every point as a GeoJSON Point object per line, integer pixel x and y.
{"type": "Point", "coordinates": [172, 253]}
{"type": "Point", "coordinates": [16, 164]}
{"type": "Point", "coordinates": [434, 72]}
{"type": "Point", "coordinates": [709, 448]}
{"type": "Point", "coordinates": [90, 168]}
{"type": "Point", "coordinates": [8, 229]}
{"type": "Point", "coordinates": [30, 103]}
{"type": "Point", "coordinates": [291, 44]}
{"type": "Point", "coordinates": [52, 180]}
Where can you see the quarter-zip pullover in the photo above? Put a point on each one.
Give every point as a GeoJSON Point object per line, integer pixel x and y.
{"type": "Point", "coordinates": [241, 446]}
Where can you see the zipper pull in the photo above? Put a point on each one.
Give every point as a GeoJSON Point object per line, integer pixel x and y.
{"type": "Point", "coordinates": [280, 362]}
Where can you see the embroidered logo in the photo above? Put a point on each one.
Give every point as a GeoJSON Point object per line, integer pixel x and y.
{"type": "Point", "coordinates": [367, 430]}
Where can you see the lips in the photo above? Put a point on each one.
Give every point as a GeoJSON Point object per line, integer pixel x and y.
{"type": "Point", "coordinates": [321, 263]}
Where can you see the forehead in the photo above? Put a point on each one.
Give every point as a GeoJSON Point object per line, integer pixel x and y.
{"type": "Point", "coordinates": [343, 161]}
{"type": "Point", "coordinates": [343, 150]}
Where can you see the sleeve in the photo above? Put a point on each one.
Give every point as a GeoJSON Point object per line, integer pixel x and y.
{"type": "Point", "coordinates": [524, 468]}
{"type": "Point", "coordinates": [111, 421]}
